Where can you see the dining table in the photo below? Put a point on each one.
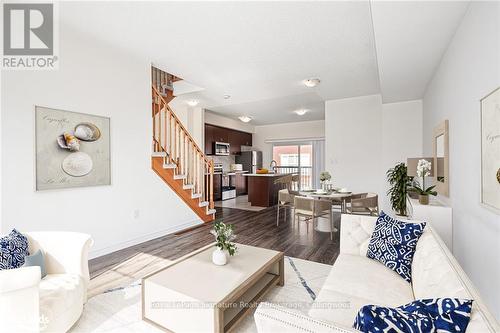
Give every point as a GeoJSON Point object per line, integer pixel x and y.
{"type": "Point", "coordinates": [329, 195]}
{"type": "Point", "coordinates": [332, 195]}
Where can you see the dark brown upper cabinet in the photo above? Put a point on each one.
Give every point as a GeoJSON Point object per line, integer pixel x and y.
{"type": "Point", "coordinates": [236, 139]}
{"type": "Point", "coordinates": [221, 134]}
{"type": "Point", "coordinates": [209, 140]}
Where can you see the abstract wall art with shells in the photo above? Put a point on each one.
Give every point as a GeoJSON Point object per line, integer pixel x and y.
{"type": "Point", "coordinates": [72, 149]}
{"type": "Point", "coordinates": [490, 151]}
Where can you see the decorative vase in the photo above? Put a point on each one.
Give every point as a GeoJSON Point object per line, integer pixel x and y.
{"type": "Point", "coordinates": [219, 257]}
{"type": "Point", "coordinates": [423, 199]}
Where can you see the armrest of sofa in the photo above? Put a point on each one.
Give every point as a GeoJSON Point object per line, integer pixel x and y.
{"type": "Point", "coordinates": [65, 252]}
{"type": "Point", "coordinates": [274, 318]}
{"type": "Point", "coordinates": [19, 278]}
{"type": "Point", "coordinates": [19, 299]}
{"type": "Point", "coordinates": [355, 233]}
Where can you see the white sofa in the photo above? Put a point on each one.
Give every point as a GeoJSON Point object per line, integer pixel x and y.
{"type": "Point", "coordinates": [356, 280]}
{"type": "Point", "coordinates": [54, 303]}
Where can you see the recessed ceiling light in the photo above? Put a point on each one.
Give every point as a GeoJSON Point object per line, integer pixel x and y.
{"type": "Point", "coordinates": [227, 96]}
{"type": "Point", "coordinates": [301, 112]}
{"type": "Point", "coordinates": [244, 119]}
{"type": "Point", "coordinates": [310, 83]}
{"type": "Point", "coordinates": [192, 102]}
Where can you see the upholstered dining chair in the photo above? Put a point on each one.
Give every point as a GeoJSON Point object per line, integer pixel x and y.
{"type": "Point", "coordinates": [285, 199]}
{"type": "Point", "coordinates": [363, 204]}
{"type": "Point", "coordinates": [311, 209]}
{"type": "Point", "coordinates": [284, 182]}
{"type": "Point", "coordinates": [295, 182]}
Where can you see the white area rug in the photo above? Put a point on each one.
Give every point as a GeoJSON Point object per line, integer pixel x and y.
{"type": "Point", "coordinates": [119, 309]}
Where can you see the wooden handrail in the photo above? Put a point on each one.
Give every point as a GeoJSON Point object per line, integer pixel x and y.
{"type": "Point", "coordinates": [171, 137]}
{"type": "Point", "coordinates": [157, 93]}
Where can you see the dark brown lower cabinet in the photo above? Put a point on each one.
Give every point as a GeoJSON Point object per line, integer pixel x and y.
{"type": "Point", "coordinates": [217, 187]}
{"type": "Point", "coordinates": [241, 184]}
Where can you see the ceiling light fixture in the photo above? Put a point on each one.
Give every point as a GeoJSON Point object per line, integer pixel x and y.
{"type": "Point", "coordinates": [244, 119]}
{"type": "Point", "coordinates": [311, 83]}
{"type": "Point", "coordinates": [192, 102]}
{"type": "Point", "coordinates": [301, 112]}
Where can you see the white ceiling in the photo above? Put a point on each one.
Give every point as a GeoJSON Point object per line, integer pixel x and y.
{"type": "Point", "coordinates": [259, 52]}
{"type": "Point", "coordinates": [411, 38]}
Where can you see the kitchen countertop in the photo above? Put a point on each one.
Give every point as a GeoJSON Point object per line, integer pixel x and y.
{"type": "Point", "coordinates": [232, 173]}
{"type": "Point", "coordinates": [267, 174]}
{"type": "Point", "coordinates": [229, 173]}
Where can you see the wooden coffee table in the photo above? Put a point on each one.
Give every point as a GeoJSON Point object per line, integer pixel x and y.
{"type": "Point", "coordinates": [193, 295]}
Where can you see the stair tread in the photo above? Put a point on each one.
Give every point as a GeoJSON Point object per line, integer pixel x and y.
{"type": "Point", "coordinates": [169, 166]}
{"type": "Point", "coordinates": [211, 211]}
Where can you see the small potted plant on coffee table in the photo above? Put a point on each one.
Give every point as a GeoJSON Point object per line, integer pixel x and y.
{"type": "Point", "coordinates": [224, 235]}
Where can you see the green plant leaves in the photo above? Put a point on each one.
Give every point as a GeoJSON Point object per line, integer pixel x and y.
{"type": "Point", "coordinates": [400, 182]}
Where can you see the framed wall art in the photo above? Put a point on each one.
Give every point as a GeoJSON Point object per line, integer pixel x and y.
{"type": "Point", "coordinates": [72, 149]}
{"type": "Point", "coordinates": [490, 150]}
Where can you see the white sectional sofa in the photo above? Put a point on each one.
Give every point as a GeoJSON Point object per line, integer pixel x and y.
{"type": "Point", "coordinates": [54, 303]}
{"type": "Point", "coordinates": [356, 280]}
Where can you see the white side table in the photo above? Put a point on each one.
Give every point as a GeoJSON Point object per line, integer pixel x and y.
{"type": "Point", "coordinates": [439, 216]}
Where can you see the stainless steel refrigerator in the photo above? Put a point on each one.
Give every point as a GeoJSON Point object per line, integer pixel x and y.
{"type": "Point", "coordinates": [251, 160]}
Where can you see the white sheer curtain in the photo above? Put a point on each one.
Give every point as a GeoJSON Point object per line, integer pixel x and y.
{"type": "Point", "coordinates": [318, 161]}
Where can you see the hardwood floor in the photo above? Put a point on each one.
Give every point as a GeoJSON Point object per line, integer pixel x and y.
{"type": "Point", "coordinates": [252, 228]}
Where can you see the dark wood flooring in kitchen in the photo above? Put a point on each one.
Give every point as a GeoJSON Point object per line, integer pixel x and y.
{"type": "Point", "coordinates": [252, 228]}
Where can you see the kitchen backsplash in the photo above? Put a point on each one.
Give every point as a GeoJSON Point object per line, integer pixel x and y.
{"type": "Point", "coordinates": [225, 160]}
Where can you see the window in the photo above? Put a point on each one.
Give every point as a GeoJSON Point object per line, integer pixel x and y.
{"type": "Point", "coordinates": [295, 158]}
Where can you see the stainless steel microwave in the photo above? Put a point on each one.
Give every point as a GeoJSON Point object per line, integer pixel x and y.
{"type": "Point", "coordinates": [221, 148]}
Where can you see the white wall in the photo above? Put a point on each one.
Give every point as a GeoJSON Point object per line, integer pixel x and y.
{"type": "Point", "coordinates": [97, 79]}
{"type": "Point", "coordinates": [285, 131]}
{"type": "Point", "coordinates": [353, 131]}
{"type": "Point", "coordinates": [218, 120]}
{"type": "Point", "coordinates": [469, 70]}
{"type": "Point", "coordinates": [401, 137]}
{"type": "Point", "coordinates": [191, 117]}
{"type": "Point", "coordinates": [364, 138]}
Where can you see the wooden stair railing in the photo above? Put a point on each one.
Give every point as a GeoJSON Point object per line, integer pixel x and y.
{"type": "Point", "coordinates": [174, 143]}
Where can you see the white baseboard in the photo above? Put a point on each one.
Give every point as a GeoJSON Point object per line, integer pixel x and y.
{"type": "Point", "coordinates": [144, 238]}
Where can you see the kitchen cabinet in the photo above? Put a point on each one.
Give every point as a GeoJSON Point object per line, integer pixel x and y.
{"type": "Point", "coordinates": [240, 184]}
{"type": "Point", "coordinates": [217, 187]}
{"type": "Point", "coordinates": [235, 138]}
{"type": "Point", "coordinates": [246, 139]}
{"type": "Point", "coordinates": [209, 140]}
{"type": "Point", "coordinates": [220, 134]}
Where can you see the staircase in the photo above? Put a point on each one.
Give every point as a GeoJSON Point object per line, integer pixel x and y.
{"type": "Point", "coordinates": [178, 160]}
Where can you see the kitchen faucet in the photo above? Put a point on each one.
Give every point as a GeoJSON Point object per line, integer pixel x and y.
{"type": "Point", "coordinates": [273, 165]}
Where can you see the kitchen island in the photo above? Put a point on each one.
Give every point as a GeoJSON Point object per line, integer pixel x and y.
{"type": "Point", "coordinates": [262, 190]}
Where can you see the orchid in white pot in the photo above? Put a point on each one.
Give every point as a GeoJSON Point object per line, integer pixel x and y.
{"type": "Point", "coordinates": [224, 235]}
{"type": "Point", "coordinates": [423, 170]}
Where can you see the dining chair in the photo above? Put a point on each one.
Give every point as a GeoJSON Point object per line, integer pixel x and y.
{"type": "Point", "coordinates": [311, 209]}
{"type": "Point", "coordinates": [284, 182]}
{"type": "Point", "coordinates": [285, 199]}
{"type": "Point", "coordinates": [295, 182]}
{"type": "Point", "coordinates": [363, 204]}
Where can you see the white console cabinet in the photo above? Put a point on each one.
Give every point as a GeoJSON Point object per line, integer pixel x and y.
{"type": "Point", "coordinates": [438, 215]}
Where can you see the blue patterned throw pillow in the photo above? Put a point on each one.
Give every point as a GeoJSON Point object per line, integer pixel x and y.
{"type": "Point", "coordinates": [393, 243]}
{"type": "Point", "coordinates": [13, 250]}
{"type": "Point", "coordinates": [446, 315]}
{"type": "Point", "coordinates": [36, 259]}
